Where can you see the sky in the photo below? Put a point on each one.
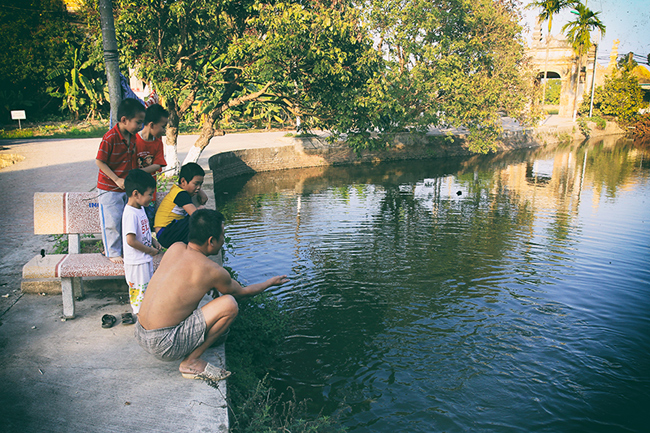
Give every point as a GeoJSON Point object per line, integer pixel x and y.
{"type": "Point", "coordinates": [625, 20]}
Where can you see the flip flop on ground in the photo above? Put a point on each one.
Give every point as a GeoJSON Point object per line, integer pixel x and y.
{"type": "Point", "coordinates": [108, 320]}
{"type": "Point", "coordinates": [128, 319]}
{"type": "Point", "coordinates": [210, 373]}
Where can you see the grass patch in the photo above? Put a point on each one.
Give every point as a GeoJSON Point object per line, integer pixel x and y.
{"type": "Point", "coordinates": [97, 129]}
{"type": "Point", "coordinates": [58, 130]}
{"type": "Point", "coordinates": [88, 244]}
{"type": "Point", "coordinates": [254, 341]}
{"type": "Point", "coordinates": [263, 411]}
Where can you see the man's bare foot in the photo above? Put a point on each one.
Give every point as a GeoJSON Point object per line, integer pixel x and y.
{"type": "Point", "coordinates": [199, 369]}
{"type": "Point", "coordinates": [196, 365]}
{"type": "Point", "coordinates": [118, 260]}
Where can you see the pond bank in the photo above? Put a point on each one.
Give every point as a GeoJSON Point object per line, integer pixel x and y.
{"type": "Point", "coordinates": [316, 151]}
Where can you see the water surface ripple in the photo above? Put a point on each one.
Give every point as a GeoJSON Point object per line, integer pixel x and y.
{"type": "Point", "coordinates": [507, 293]}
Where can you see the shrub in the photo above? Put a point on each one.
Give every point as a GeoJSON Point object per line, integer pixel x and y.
{"type": "Point", "coordinates": [642, 126]}
{"type": "Point", "coordinates": [584, 128]}
{"type": "Point", "coordinates": [620, 96]}
{"type": "Point", "coordinates": [599, 121]}
{"type": "Point", "coordinates": [262, 411]}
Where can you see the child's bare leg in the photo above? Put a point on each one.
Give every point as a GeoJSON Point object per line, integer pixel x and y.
{"type": "Point", "coordinates": [219, 315]}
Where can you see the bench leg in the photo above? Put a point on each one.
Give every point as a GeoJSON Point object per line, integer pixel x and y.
{"type": "Point", "coordinates": [78, 288]}
{"type": "Point", "coordinates": [68, 298]}
{"type": "Point", "coordinates": [74, 244]}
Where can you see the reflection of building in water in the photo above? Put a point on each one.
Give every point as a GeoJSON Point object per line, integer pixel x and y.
{"type": "Point", "coordinates": [556, 179]}
{"type": "Point", "coordinates": [549, 183]}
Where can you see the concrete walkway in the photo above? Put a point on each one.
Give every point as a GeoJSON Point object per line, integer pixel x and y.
{"type": "Point", "coordinates": [75, 376]}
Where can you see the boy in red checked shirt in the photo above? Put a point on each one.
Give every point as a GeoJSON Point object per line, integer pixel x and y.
{"type": "Point", "coordinates": [150, 156]}
{"type": "Point", "coordinates": [115, 159]}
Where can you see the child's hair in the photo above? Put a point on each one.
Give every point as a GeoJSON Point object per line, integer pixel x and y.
{"type": "Point", "coordinates": [129, 108]}
{"type": "Point", "coordinates": [189, 170]}
{"type": "Point", "coordinates": [205, 223]}
{"type": "Point", "coordinates": [138, 180]}
{"type": "Point", "coordinates": [154, 113]}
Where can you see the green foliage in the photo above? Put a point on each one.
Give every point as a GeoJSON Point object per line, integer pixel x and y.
{"type": "Point", "coordinates": [448, 63]}
{"type": "Point", "coordinates": [599, 121]}
{"type": "Point", "coordinates": [81, 93]}
{"type": "Point", "coordinates": [584, 128]}
{"type": "Point", "coordinates": [642, 126]}
{"type": "Point", "coordinates": [60, 244]}
{"type": "Point", "coordinates": [553, 89]}
{"type": "Point", "coordinates": [16, 133]}
{"type": "Point", "coordinates": [620, 96]}
{"type": "Point", "coordinates": [164, 183]}
{"type": "Point", "coordinates": [33, 42]}
{"type": "Point", "coordinates": [564, 139]}
{"type": "Point", "coordinates": [627, 63]}
{"type": "Point", "coordinates": [579, 30]}
{"type": "Point", "coordinates": [254, 339]}
{"type": "Point", "coordinates": [263, 412]}
{"type": "Point", "coordinates": [295, 58]}
{"type": "Point", "coordinates": [549, 8]}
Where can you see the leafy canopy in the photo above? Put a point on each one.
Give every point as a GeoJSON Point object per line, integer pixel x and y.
{"type": "Point", "coordinates": [307, 58]}
{"type": "Point", "coordinates": [449, 63]}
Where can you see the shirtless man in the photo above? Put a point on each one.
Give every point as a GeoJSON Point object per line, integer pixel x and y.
{"type": "Point", "coordinates": [170, 324]}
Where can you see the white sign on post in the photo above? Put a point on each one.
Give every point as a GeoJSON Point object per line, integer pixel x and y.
{"type": "Point", "coordinates": [18, 115]}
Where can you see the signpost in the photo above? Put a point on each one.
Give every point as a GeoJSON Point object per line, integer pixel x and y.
{"type": "Point", "coordinates": [18, 115]}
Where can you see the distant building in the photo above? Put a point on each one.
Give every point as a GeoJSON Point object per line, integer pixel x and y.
{"type": "Point", "coordinates": [561, 63]}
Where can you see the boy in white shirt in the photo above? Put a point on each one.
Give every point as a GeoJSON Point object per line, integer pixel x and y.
{"type": "Point", "coordinates": [139, 247]}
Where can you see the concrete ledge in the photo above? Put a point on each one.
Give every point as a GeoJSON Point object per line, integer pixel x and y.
{"type": "Point", "coordinates": [316, 152]}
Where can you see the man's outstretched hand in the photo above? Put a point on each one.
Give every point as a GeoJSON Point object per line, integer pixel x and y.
{"type": "Point", "coordinates": [278, 280]}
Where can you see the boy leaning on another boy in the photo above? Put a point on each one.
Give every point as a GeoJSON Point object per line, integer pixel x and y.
{"type": "Point", "coordinates": [115, 159]}
{"type": "Point", "coordinates": [139, 247]}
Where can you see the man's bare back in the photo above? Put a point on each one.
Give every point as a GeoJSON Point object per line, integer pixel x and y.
{"type": "Point", "coordinates": [176, 288]}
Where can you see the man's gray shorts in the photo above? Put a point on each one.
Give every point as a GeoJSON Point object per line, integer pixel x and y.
{"type": "Point", "coordinates": [174, 342]}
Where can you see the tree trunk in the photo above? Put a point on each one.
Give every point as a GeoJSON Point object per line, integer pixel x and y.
{"type": "Point", "coordinates": [207, 132]}
{"type": "Point", "coordinates": [111, 57]}
{"type": "Point", "coordinates": [575, 95]}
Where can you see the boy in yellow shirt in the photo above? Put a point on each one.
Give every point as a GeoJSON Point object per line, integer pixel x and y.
{"type": "Point", "coordinates": [172, 217]}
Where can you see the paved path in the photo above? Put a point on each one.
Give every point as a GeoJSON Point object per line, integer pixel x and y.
{"type": "Point", "coordinates": [75, 376]}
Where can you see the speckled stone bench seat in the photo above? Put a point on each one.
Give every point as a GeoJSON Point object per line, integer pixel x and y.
{"type": "Point", "coordinates": [73, 214]}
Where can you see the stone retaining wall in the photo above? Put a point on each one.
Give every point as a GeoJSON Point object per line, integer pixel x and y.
{"type": "Point", "coordinates": [315, 152]}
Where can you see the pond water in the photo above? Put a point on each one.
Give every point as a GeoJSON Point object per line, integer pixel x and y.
{"type": "Point", "coordinates": [497, 293]}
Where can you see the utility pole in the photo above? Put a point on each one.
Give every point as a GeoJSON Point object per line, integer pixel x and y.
{"type": "Point", "coordinates": [111, 57]}
{"type": "Point", "coordinates": [593, 76]}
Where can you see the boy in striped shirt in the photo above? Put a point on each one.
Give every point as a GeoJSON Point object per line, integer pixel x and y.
{"type": "Point", "coordinates": [115, 159]}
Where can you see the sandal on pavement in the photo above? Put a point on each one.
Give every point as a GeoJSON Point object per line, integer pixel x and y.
{"type": "Point", "coordinates": [108, 320]}
{"type": "Point", "coordinates": [210, 373]}
{"type": "Point", "coordinates": [128, 319]}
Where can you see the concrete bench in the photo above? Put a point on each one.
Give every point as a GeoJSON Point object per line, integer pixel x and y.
{"type": "Point", "coordinates": [72, 214]}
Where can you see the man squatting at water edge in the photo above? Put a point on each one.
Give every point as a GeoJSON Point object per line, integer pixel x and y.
{"type": "Point", "coordinates": [170, 325]}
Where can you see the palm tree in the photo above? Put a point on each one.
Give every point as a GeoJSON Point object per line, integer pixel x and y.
{"type": "Point", "coordinates": [549, 8]}
{"type": "Point", "coordinates": [578, 33]}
